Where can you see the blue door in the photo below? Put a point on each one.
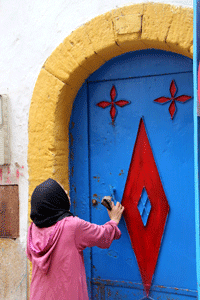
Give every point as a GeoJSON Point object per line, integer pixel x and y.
{"type": "Point", "coordinates": [155, 87]}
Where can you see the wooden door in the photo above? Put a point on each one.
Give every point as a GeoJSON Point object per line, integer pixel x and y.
{"type": "Point", "coordinates": [105, 132]}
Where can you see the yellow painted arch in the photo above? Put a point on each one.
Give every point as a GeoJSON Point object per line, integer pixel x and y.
{"type": "Point", "coordinates": [130, 28]}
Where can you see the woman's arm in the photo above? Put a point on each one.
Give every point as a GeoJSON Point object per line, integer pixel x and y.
{"type": "Point", "coordinates": [88, 234]}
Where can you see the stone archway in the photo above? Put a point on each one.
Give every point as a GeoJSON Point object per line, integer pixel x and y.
{"type": "Point", "coordinates": [122, 30]}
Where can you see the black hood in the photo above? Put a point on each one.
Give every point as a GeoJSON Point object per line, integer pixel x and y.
{"type": "Point", "coordinates": [49, 204]}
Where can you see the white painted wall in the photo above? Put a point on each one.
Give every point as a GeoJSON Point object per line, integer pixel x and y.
{"type": "Point", "coordinates": [30, 31]}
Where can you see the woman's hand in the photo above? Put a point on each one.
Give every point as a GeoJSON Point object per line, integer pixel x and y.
{"type": "Point", "coordinates": [116, 212]}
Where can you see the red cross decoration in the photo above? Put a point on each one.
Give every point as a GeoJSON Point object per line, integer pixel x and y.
{"type": "Point", "coordinates": [172, 107]}
{"type": "Point", "coordinates": [143, 176]}
{"type": "Point", "coordinates": [113, 103]}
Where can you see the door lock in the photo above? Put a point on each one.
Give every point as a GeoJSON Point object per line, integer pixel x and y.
{"type": "Point", "coordinates": [94, 202]}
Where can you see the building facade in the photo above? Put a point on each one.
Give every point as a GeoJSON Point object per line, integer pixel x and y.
{"type": "Point", "coordinates": [53, 54]}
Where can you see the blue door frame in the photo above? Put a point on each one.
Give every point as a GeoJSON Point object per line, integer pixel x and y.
{"type": "Point", "coordinates": [196, 60]}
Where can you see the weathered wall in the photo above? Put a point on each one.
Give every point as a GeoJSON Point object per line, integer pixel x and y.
{"type": "Point", "coordinates": [29, 35]}
{"type": "Point", "coordinates": [13, 270]}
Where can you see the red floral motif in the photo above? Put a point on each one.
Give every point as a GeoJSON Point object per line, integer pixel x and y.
{"type": "Point", "coordinates": [113, 103]}
{"type": "Point", "coordinates": [172, 107]}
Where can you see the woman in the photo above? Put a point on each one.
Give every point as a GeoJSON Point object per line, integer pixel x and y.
{"type": "Point", "coordinates": [56, 240]}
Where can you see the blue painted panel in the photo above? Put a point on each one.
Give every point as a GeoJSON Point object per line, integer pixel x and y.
{"type": "Point", "coordinates": [142, 63]}
{"type": "Point", "coordinates": [78, 161]}
{"type": "Point", "coordinates": [172, 143]}
{"type": "Point", "coordinates": [110, 151]}
{"type": "Point", "coordinates": [103, 289]}
{"type": "Point", "coordinates": [78, 130]}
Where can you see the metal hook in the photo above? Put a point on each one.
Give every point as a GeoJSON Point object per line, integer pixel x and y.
{"type": "Point", "coordinates": [147, 298]}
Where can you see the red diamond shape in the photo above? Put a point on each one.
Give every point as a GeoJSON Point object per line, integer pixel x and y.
{"type": "Point", "coordinates": [145, 240]}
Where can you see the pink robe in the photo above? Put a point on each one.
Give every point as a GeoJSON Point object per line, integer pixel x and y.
{"type": "Point", "coordinates": [56, 253]}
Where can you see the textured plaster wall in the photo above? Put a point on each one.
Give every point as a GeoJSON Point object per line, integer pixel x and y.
{"type": "Point", "coordinates": [30, 32]}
